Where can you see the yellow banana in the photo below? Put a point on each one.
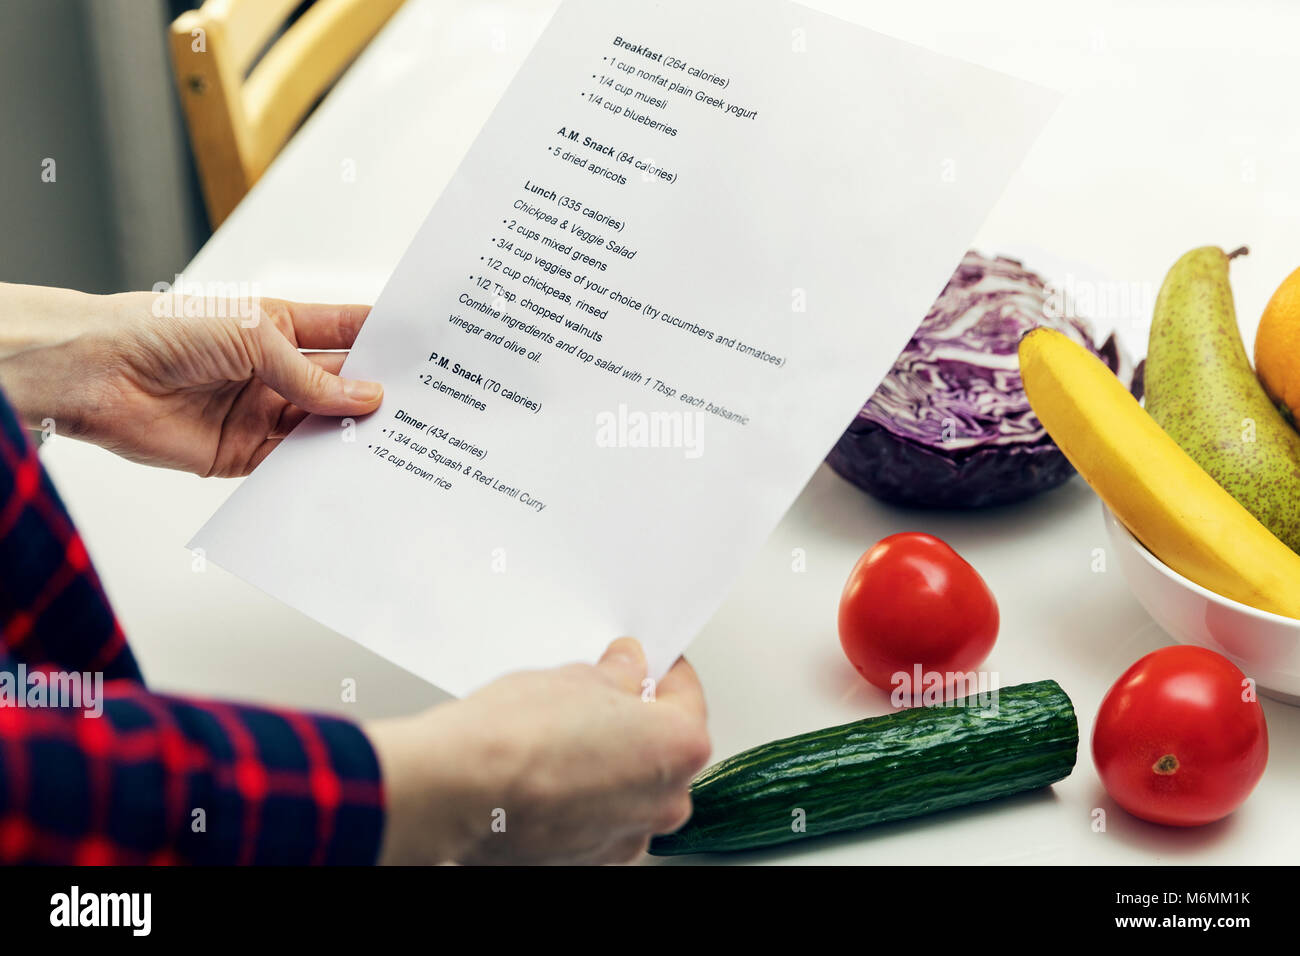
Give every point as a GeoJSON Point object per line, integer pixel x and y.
{"type": "Point", "coordinates": [1172, 505]}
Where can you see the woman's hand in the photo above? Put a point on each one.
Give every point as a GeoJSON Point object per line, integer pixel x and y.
{"type": "Point", "coordinates": [212, 392]}
{"type": "Point", "coordinates": [572, 765]}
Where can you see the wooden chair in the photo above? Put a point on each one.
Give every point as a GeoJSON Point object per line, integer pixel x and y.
{"type": "Point", "coordinates": [240, 118]}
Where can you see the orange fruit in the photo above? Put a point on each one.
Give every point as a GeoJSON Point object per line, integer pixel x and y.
{"type": "Point", "coordinates": [1277, 346]}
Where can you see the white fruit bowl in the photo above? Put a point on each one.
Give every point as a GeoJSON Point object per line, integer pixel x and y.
{"type": "Point", "coordinates": [1265, 646]}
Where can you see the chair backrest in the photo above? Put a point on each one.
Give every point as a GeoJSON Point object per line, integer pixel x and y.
{"type": "Point", "coordinates": [239, 118]}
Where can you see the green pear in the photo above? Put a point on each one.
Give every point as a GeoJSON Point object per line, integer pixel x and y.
{"type": "Point", "coordinates": [1201, 389]}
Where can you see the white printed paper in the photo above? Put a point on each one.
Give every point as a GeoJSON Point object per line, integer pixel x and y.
{"type": "Point", "coordinates": [686, 246]}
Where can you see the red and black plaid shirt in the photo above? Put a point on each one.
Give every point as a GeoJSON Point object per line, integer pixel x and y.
{"type": "Point", "coordinates": [154, 779]}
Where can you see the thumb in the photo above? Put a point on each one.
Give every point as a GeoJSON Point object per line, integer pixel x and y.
{"type": "Point", "coordinates": [304, 383]}
{"type": "Point", "coordinates": [624, 663]}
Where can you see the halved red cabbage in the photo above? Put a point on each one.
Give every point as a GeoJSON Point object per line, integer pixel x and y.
{"type": "Point", "coordinates": [950, 426]}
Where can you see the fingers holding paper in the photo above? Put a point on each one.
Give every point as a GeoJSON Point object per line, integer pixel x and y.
{"type": "Point", "coordinates": [274, 351]}
{"type": "Point", "coordinates": [577, 764]}
{"type": "Point", "coordinates": [283, 417]}
{"type": "Point", "coordinates": [182, 381]}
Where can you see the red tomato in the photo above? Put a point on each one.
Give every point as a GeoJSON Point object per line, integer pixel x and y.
{"type": "Point", "coordinates": [1178, 739]}
{"type": "Point", "coordinates": [912, 601]}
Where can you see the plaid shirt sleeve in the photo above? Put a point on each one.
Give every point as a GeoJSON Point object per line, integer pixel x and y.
{"type": "Point", "coordinates": [134, 777]}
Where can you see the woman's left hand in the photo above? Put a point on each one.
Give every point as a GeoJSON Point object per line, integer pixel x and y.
{"type": "Point", "coordinates": [212, 393]}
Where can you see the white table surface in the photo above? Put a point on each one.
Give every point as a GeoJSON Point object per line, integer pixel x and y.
{"type": "Point", "coordinates": [1179, 130]}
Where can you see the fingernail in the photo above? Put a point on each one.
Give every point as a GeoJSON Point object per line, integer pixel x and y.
{"type": "Point", "coordinates": [360, 391]}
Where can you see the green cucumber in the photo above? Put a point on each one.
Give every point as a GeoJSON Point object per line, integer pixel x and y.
{"type": "Point", "coordinates": [905, 764]}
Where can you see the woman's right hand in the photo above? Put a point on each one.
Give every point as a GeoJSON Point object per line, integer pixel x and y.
{"type": "Point", "coordinates": [571, 765]}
